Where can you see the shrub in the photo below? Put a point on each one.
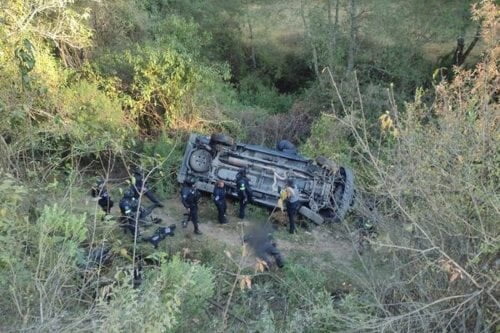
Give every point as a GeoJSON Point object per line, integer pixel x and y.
{"type": "Point", "coordinates": [434, 195]}
{"type": "Point", "coordinates": [37, 262]}
{"type": "Point", "coordinates": [329, 138]}
{"type": "Point", "coordinates": [168, 299]}
{"type": "Point", "coordinates": [170, 150]}
{"type": "Point", "coordinates": [90, 114]}
{"type": "Point", "coordinates": [256, 92]}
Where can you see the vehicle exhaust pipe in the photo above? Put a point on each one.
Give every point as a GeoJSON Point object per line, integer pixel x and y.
{"type": "Point", "coordinates": [238, 162]}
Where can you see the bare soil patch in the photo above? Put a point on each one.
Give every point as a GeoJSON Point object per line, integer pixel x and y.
{"type": "Point", "coordinates": [318, 240]}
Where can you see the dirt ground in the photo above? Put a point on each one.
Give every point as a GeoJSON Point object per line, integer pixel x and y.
{"type": "Point", "coordinates": [318, 240]}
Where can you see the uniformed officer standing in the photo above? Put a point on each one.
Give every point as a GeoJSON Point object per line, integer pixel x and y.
{"type": "Point", "coordinates": [219, 196]}
{"type": "Point", "coordinates": [190, 196]}
{"type": "Point", "coordinates": [244, 191]}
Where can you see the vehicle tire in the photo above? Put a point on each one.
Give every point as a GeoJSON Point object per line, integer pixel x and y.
{"type": "Point", "coordinates": [314, 217]}
{"type": "Point", "coordinates": [326, 163]}
{"type": "Point", "coordinates": [328, 215]}
{"type": "Point", "coordinates": [344, 196]}
{"type": "Point", "coordinates": [221, 139]}
{"type": "Point", "coordinates": [200, 160]}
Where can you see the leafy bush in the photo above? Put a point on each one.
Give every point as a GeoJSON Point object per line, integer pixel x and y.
{"type": "Point", "coordinates": [170, 150]}
{"type": "Point", "coordinates": [430, 173]}
{"type": "Point", "coordinates": [37, 261]}
{"type": "Point", "coordinates": [154, 82]}
{"type": "Point", "coordinates": [253, 91]}
{"type": "Point", "coordinates": [91, 114]}
{"type": "Point", "coordinates": [329, 138]}
{"type": "Point", "coordinates": [171, 296]}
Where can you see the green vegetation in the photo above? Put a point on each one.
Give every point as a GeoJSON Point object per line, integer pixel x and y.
{"type": "Point", "coordinates": [97, 87]}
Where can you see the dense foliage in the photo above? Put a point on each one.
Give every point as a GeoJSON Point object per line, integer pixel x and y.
{"type": "Point", "coordinates": [97, 87]}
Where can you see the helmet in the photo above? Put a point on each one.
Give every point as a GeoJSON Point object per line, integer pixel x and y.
{"type": "Point", "coordinates": [290, 182]}
{"type": "Point", "coordinates": [137, 171]}
{"type": "Point", "coordinates": [189, 181]}
{"type": "Point", "coordinates": [241, 173]}
{"type": "Point", "coordinates": [129, 193]}
{"type": "Point", "coordinates": [99, 182]}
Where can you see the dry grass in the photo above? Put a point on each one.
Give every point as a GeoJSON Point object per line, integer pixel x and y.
{"type": "Point", "coordinates": [435, 184]}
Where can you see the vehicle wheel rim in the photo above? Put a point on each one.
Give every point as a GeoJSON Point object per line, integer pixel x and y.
{"type": "Point", "coordinates": [200, 160]}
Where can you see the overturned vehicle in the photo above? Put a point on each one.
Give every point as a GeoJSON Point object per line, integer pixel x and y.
{"type": "Point", "coordinates": [326, 190]}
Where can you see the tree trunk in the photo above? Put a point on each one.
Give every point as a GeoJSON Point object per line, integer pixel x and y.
{"type": "Point", "coordinates": [330, 34]}
{"type": "Point", "coordinates": [308, 36]}
{"type": "Point", "coordinates": [471, 45]}
{"type": "Point", "coordinates": [252, 44]}
{"type": "Point", "coordinates": [333, 24]}
{"type": "Point", "coordinates": [458, 57]}
{"type": "Point", "coordinates": [353, 34]}
{"type": "Point", "coordinates": [336, 23]}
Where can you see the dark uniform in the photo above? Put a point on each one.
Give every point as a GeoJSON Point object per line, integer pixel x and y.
{"type": "Point", "coordinates": [270, 249]}
{"type": "Point", "coordinates": [190, 196]}
{"type": "Point", "coordinates": [265, 248]}
{"type": "Point", "coordinates": [160, 234]}
{"type": "Point", "coordinates": [244, 191]}
{"type": "Point", "coordinates": [141, 187]}
{"type": "Point", "coordinates": [286, 146]}
{"type": "Point", "coordinates": [220, 202]}
{"type": "Point", "coordinates": [100, 191]}
{"type": "Point", "coordinates": [128, 208]}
